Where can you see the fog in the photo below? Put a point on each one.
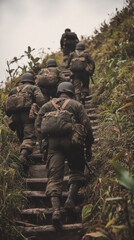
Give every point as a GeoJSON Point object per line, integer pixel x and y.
{"type": "Point", "coordinates": [40, 23]}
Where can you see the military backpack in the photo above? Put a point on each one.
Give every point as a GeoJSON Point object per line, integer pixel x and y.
{"type": "Point", "coordinates": [47, 78]}
{"type": "Point", "coordinates": [61, 123]}
{"type": "Point", "coordinates": [19, 101]}
{"type": "Point", "coordinates": [78, 63]}
{"type": "Point", "coordinates": [69, 38]}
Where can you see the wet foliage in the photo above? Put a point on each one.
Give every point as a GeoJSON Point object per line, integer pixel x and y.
{"type": "Point", "coordinates": [109, 209]}
{"type": "Point", "coordinates": [108, 212]}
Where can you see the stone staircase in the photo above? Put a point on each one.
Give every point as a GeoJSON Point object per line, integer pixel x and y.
{"type": "Point", "coordinates": [37, 217]}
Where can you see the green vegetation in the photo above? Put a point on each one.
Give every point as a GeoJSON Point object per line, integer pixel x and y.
{"type": "Point", "coordinates": [109, 213]}
{"type": "Point", "coordinates": [109, 208]}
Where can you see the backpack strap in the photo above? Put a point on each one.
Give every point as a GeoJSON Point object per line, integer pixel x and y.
{"type": "Point", "coordinates": [58, 107]}
{"type": "Point", "coordinates": [79, 53]}
{"type": "Point", "coordinates": [55, 104]}
{"type": "Point", "coordinates": [64, 104]}
{"type": "Point", "coordinates": [25, 87]}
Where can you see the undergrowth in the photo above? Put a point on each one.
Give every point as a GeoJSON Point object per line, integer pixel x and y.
{"type": "Point", "coordinates": [109, 207]}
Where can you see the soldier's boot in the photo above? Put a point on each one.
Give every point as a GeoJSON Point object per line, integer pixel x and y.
{"type": "Point", "coordinates": [23, 157]}
{"type": "Point", "coordinates": [72, 195]}
{"type": "Point", "coordinates": [77, 97]}
{"type": "Point", "coordinates": [83, 98]}
{"type": "Point", "coordinates": [56, 217]}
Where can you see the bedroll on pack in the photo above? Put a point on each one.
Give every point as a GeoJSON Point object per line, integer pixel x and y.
{"type": "Point", "coordinates": [78, 64]}
{"type": "Point", "coordinates": [19, 101]}
{"type": "Point", "coordinates": [47, 78]}
{"type": "Point", "coordinates": [58, 122]}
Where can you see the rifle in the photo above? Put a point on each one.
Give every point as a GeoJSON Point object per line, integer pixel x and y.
{"type": "Point", "coordinates": [92, 80]}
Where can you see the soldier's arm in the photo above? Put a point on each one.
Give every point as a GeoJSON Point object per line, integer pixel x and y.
{"type": "Point", "coordinates": [61, 42]}
{"type": "Point", "coordinates": [38, 96]}
{"type": "Point", "coordinates": [38, 121]}
{"type": "Point", "coordinates": [69, 60]}
{"type": "Point", "coordinates": [91, 62]}
{"type": "Point", "coordinates": [84, 119]}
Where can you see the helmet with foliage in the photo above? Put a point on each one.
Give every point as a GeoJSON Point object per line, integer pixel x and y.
{"type": "Point", "coordinates": [65, 87]}
{"type": "Point", "coordinates": [80, 46]}
{"type": "Point", "coordinates": [51, 63]}
{"type": "Point", "coordinates": [28, 77]}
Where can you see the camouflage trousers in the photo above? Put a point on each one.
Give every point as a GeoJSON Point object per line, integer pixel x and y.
{"type": "Point", "coordinates": [59, 150]}
{"type": "Point", "coordinates": [81, 82]}
{"type": "Point", "coordinates": [25, 130]}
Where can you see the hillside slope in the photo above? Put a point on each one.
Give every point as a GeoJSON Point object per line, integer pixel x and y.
{"type": "Point", "coordinates": [109, 206]}
{"type": "Point", "coordinates": [110, 210]}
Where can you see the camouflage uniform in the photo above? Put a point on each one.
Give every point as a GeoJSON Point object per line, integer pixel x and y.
{"type": "Point", "coordinates": [61, 148]}
{"type": "Point", "coordinates": [24, 126]}
{"type": "Point", "coordinates": [68, 43]}
{"type": "Point", "coordinates": [81, 79]}
{"type": "Point", "coordinates": [51, 92]}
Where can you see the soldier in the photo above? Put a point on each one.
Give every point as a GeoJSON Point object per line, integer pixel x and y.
{"type": "Point", "coordinates": [22, 106]}
{"type": "Point", "coordinates": [68, 42]}
{"type": "Point", "coordinates": [82, 66]}
{"type": "Point", "coordinates": [61, 144]}
{"type": "Point", "coordinates": [49, 78]}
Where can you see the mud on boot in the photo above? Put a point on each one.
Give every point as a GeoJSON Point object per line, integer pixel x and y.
{"type": "Point", "coordinates": [56, 217]}
{"type": "Point", "coordinates": [23, 158]}
{"type": "Point", "coordinates": [70, 202]}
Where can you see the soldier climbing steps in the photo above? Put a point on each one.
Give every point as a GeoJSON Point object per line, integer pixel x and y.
{"type": "Point", "coordinates": [40, 211]}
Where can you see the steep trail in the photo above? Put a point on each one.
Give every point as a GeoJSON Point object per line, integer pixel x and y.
{"type": "Point", "coordinates": [37, 217]}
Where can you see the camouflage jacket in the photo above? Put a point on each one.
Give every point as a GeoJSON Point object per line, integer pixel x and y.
{"type": "Point", "coordinates": [35, 92]}
{"type": "Point", "coordinates": [73, 106]}
{"type": "Point", "coordinates": [87, 57]}
{"type": "Point", "coordinates": [63, 41]}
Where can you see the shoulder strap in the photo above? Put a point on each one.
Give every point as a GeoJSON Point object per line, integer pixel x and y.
{"type": "Point", "coordinates": [25, 87]}
{"type": "Point", "coordinates": [65, 103]}
{"type": "Point", "coordinates": [58, 107]}
{"type": "Point", "coordinates": [79, 53]}
{"type": "Point", "coordinates": [55, 104]}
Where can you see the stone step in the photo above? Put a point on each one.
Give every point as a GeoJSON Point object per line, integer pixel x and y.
{"type": "Point", "coordinates": [92, 116]}
{"type": "Point", "coordinates": [94, 122]}
{"type": "Point", "coordinates": [90, 109]}
{"type": "Point", "coordinates": [89, 97]}
{"type": "Point", "coordinates": [39, 170]}
{"type": "Point", "coordinates": [39, 198]}
{"type": "Point", "coordinates": [43, 216]}
{"type": "Point", "coordinates": [48, 232]}
{"type": "Point", "coordinates": [39, 184]}
{"type": "Point", "coordinates": [94, 128]}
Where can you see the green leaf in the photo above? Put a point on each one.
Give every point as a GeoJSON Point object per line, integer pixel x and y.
{"type": "Point", "coordinates": [96, 234]}
{"type": "Point", "coordinates": [124, 177]}
{"type": "Point", "coordinates": [86, 211]}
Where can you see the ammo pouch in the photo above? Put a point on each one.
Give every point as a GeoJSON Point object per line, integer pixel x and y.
{"type": "Point", "coordinates": [33, 111]}
{"type": "Point", "coordinates": [79, 134]}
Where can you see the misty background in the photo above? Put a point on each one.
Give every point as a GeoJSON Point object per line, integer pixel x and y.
{"type": "Point", "coordinates": [40, 24]}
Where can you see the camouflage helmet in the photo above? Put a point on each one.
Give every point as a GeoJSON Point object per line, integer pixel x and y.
{"type": "Point", "coordinates": [27, 77]}
{"type": "Point", "coordinates": [80, 46]}
{"type": "Point", "coordinates": [65, 87]}
{"type": "Point", "coordinates": [51, 63]}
